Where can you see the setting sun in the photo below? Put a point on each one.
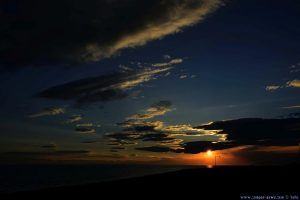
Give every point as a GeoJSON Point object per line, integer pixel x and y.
{"type": "Point", "coordinates": [209, 152]}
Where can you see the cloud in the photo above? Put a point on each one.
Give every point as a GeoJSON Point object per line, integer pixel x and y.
{"type": "Point", "coordinates": [117, 149]}
{"type": "Point", "coordinates": [159, 108]}
{"type": "Point", "coordinates": [84, 31]}
{"type": "Point", "coordinates": [188, 130]}
{"type": "Point", "coordinates": [183, 76]}
{"type": "Point", "coordinates": [138, 128]}
{"type": "Point", "coordinates": [189, 147]}
{"type": "Point", "coordinates": [89, 142]}
{"type": "Point", "coordinates": [47, 112]}
{"type": "Point", "coordinates": [74, 118]}
{"type": "Point", "coordinates": [257, 131]}
{"type": "Point", "coordinates": [203, 146]}
{"type": "Point", "coordinates": [294, 83]}
{"type": "Point", "coordinates": [167, 74]}
{"type": "Point", "coordinates": [171, 62]}
{"type": "Point", "coordinates": [272, 87]}
{"type": "Point", "coordinates": [85, 130]}
{"type": "Point", "coordinates": [120, 142]}
{"type": "Point", "coordinates": [291, 107]}
{"type": "Point", "coordinates": [295, 68]}
{"type": "Point", "coordinates": [104, 88]}
{"type": "Point", "coordinates": [50, 146]}
{"type": "Point", "coordinates": [85, 125]}
{"type": "Point", "coordinates": [155, 149]}
{"type": "Point", "coordinates": [236, 133]}
{"type": "Point", "coordinates": [167, 57]}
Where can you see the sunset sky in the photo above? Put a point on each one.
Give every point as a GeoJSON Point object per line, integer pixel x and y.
{"type": "Point", "coordinates": [157, 82]}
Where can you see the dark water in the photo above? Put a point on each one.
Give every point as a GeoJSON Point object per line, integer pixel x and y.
{"type": "Point", "coordinates": [31, 177]}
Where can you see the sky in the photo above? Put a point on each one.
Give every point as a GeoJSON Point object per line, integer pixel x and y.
{"type": "Point", "coordinates": [158, 82]}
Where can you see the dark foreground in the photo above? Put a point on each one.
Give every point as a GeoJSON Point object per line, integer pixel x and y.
{"type": "Point", "coordinates": [280, 182]}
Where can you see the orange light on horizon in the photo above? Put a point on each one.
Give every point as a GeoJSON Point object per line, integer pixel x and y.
{"type": "Point", "coordinates": [209, 152]}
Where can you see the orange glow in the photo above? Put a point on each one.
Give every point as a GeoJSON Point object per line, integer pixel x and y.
{"type": "Point", "coordinates": [209, 153]}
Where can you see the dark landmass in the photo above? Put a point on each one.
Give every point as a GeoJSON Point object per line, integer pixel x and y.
{"type": "Point", "coordinates": [197, 183]}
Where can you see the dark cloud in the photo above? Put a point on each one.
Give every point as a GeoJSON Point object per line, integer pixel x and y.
{"type": "Point", "coordinates": [119, 142]}
{"type": "Point", "coordinates": [241, 132]}
{"type": "Point", "coordinates": [50, 146]}
{"type": "Point", "coordinates": [256, 130]}
{"type": "Point", "coordinates": [86, 130]}
{"type": "Point", "coordinates": [103, 88]}
{"type": "Point", "coordinates": [35, 32]}
{"type": "Point", "coordinates": [88, 89]}
{"type": "Point", "coordinates": [252, 131]}
{"type": "Point", "coordinates": [295, 114]}
{"type": "Point", "coordinates": [202, 146]}
{"type": "Point", "coordinates": [159, 108]}
{"type": "Point", "coordinates": [189, 147]}
{"type": "Point", "coordinates": [47, 111]}
{"type": "Point", "coordinates": [74, 119]}
{"type": "Point", "coordinates": [116, 149]}
{"type": "Point", "coordinates": [156, 149]}
{"type": "Point", "coordinates": [158, 137]}
{"type": "Point", "coordinates": [131, 136]}
{"type": "Point", "coordinates": [89, 142]}
{"type": "Point", "coordinates": [138, 128]}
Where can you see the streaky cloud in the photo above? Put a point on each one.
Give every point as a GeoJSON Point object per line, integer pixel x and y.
{"type": "Point", "coordinates": [293, 83]}
{"type": "Point", "coordinates": [291, 107]}
{"type": "Point", "coordinates": [74, 118]}
{"type": "Point", "coordinates": [104, 88]}
{"type": "Point", "coordinates": [47, 111]}
{"type": "Point", "coordinates": [85, 130]}
{"type": "Point", "coordinates": [272, 87]}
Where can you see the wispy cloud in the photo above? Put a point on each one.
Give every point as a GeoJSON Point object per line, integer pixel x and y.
{"type": "Point", "coordinates": [47, 112]}
{"type": "Point", "coordinates": [293, 83]}
{"type": "Point", "coordinates": [109, 87]}
{"type": "Point", "coordinates": [119, 142]}
{"type": "Point", "coordinates": [87, 125]}
{"type": "Point", "coordinates": [85, 130]}
{"type": "Point", "coordinates": [183, 76]}
{"type": "Point", "coordinates": [167, 57]}
{"type": "Point", "coordinates": [74, 118]}
{"type": "Point", "coordinates": [159, 108]}
{"type": "Point", "coordinates": [291, 107]}
{"type": "Point", "coordinates": [295, 68]}
{"type": "Point", "coordinates": [272, 87]}
{"type": "Point", "coordinates": [188, 130]}
{"type": "Point", "coordinates": [171, 62]}
{"type": "Point", "coordinates": [290, 84]}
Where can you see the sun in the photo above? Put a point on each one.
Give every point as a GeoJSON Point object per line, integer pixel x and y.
{"type": "Point", "coordinates": [209, 152]}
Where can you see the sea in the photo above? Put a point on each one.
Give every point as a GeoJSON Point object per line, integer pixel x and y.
{"type": "Point", "coordinates": [16, 178]}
